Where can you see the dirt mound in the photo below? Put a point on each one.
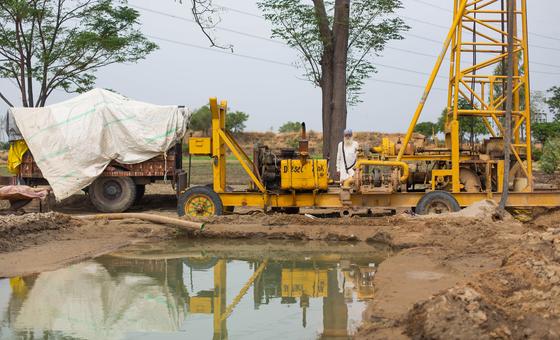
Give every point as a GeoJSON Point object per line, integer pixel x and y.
{"type": "Point", "coordinates": [545, 219]}
{"type": "Point", "coordinates": [287, 219]}
{"type": "Point", "coordinates": [31, 228]}
{"type": "Point", "coordinates": [519, 300]}
{"type": "Point", "coordinates": [482, 211]}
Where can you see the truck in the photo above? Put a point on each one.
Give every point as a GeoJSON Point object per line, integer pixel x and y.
{"type": "Point", "coordinates": [120, 186]}
{"type": "Point", "coordinates": [101, 142]}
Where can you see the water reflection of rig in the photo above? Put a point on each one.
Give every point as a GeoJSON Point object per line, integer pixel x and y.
{"type": "Point", "coordinates": [292, 278]}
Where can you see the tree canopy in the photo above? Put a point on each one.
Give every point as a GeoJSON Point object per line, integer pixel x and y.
{"type": "Point", "coordinates": [370, 26]}
{"type": "Point", "coordinates": [201, 120]}
{"type": "Point", "coordinates": [60, 44]}
{"type": "Point", "coordinates": [235, 121]}
{"type": "Point", "coordinates": [428, 129]}
{"type": "Point", "coordinates": [290, 127]}
{"type": "Point", "coordinates": [553, 102]}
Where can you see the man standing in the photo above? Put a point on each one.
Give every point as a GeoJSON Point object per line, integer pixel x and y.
{"type": "Point", "coordinates": [346, 158]}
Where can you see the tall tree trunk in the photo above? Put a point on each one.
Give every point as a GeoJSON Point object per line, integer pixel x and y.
{"type": "Point", "coordinates": [21, 65]}
{"type": "Point", "coordinates": [327, 94]}
{"type": "Point", "coordinates": [509, 102]}
{"type": "Point", "coordinates": [339, 113]}
{"type": "Point", "coordinates": [327, 76]}
{"type": "Point", "coordinates": [29, 70]}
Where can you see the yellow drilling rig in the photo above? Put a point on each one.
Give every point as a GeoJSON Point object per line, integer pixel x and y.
{"type": "Point", "coordinates": [433, 179]}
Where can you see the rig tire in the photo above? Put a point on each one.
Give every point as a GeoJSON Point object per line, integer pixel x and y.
{"type": "Point", "coordinates": [437, 202]}
{"type": "Point", "coordinates": [199, 201]}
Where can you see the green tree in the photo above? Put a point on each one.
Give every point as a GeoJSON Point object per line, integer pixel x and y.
{"type": "Point", "coordinates": [554, 102]}
{"type": "Point", "coordinates": [544, 131]}
{"type": "Point", "coordinates": [428, 129]}
{"type": "Point", "coordinates": [550, 159]}
{"type": "Point", "coordinates": [336, 41]}
{"type": "Point", "coordinates": [235, 121]}
{"type": "Point", "coordinates": [46, 45]}
{"type": "Point", "coordinates": [290, 127]}
{"type": "Point", "coordinates": [471, 126]}
{"type": "Point", "coordinates": [201, 120]}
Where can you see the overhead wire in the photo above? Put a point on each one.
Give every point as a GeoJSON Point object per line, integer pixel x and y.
{"type": "Point", "coordinates": [417, 20]}
{"type": "Point", "coordinates": [283, 63]}
{"type": "Point", "coordinates": [225, 29]}
{"type": "Point", "coordinates": [450, 11]}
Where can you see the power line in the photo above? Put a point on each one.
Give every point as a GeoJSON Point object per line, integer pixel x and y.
{"type": "Point", "coordinates": [433, 5]}
{"type": "Point", "coordinates": [282, 43]}
{"type": "Point", "coordinates": [225, 29]}
{"type": "Point", "coordinates": [285, 64]}
{"type": "Point", "coordinates": [406, 84]}
{"type": "Point", "coordinates": [414, 19]}
{"type": "Point", "coordinates": [240, 11]}
{"type": "Point", "coordinates": [450, 11]}
{"type": "Point", "coordinates": [261, 38]}
{"type": "Point", "coordinates": [439, 42]}
{"type": "Point", "coordinates": [220, 51]}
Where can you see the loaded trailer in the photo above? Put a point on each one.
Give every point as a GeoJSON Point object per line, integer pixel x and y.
{"type": "Point", "coordinates": [100, 142]}
{"type": "Point", "coordinates": [120, 186]}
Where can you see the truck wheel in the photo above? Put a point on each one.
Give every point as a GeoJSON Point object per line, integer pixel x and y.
{"type": "Point", "coordinates": [112, 194]}
{"type": "Point", "coordinates": [437, 202]}
{"type": "Point", "coordinates": [140, 191]}
{"type": "Point", "coordinates": [200, 201]}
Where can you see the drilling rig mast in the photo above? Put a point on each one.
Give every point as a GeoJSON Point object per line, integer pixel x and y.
{"type": "Point", "coordinates": [477, 46]}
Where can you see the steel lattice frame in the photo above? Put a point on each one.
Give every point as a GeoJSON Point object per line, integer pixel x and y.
{"type": "Point", "coordinates": [477, 44]}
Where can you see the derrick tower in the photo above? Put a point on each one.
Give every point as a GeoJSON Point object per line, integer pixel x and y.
{"type": "Point", "coordinates": [476, 46]}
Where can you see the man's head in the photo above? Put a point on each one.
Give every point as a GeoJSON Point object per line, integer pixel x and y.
{"type": "Point", "coordinates": [348, 135]}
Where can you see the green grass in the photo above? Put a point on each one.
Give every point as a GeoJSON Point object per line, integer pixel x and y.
{"type": "Point", "coordinates": [201, 172]}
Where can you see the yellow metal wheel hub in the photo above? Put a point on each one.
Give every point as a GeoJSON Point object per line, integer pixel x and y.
{"type": "Point", "coordinates": [200, 206]}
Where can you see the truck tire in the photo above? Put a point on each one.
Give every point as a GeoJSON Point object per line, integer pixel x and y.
{"type": "Point", "coordinates": [140, 191]}
{"type": "Point", "coordinates": [437, 202]}
{"type": "Point", "coordinates": [200, 201]}
{"type": "Point", "coordinates": [112, 194]}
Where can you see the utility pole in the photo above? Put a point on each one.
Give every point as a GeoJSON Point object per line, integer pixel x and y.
{"type": "Point", "coordinates": [509, 101]}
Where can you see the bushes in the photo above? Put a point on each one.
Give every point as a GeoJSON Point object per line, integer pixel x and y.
{"type": "Point", "coordinates": [550, 159]}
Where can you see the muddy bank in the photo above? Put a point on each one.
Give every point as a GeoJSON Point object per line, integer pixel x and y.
{"type": "Point", "coordinates": [491, 280]}
{"type": "Point", "coordinates": [37, 242]}
{"type": "Point", "coordinates": [18, 232]}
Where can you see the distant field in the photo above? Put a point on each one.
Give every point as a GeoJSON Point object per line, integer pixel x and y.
{"type": "Point", "coordinates": [201, 172]}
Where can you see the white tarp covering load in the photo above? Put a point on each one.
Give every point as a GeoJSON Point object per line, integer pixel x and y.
{"type": "Point", "coordinates": [73, 142]}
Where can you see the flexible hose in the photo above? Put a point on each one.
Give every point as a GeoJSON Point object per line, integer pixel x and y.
{"type": "Point", "coordinates": [145, 217]}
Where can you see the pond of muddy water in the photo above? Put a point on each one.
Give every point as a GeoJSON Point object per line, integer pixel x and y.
{"type": "Point", "coordinates": [197, 290]}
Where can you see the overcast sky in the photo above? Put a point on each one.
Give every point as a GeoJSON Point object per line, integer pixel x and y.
{"type": "Point", "coordinates": [273, 92]}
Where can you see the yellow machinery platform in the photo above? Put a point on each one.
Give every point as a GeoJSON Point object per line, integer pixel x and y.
{"type": "Point", "coordinates": [398, 175]}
